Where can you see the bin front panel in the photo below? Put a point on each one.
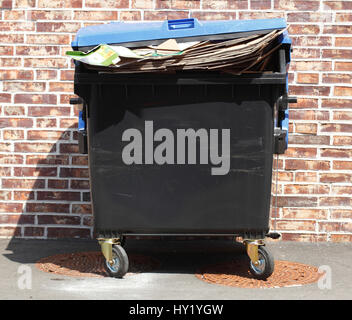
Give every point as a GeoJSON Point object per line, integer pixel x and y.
{"type": "Point", "coordinates": [181, 198]}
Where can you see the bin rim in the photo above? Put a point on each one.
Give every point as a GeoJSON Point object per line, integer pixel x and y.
{"type": "Point", "coordinates": [135, 33]}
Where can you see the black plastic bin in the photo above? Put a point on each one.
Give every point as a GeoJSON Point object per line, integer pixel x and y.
{"type": "Point", "coordinates": [176, 198]}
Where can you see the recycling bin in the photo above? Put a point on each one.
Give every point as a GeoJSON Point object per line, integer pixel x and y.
{"type": "Point", "coordinates": [185, 153]}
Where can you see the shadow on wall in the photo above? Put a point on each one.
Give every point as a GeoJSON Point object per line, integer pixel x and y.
{"type": "Point", "coordinates": [52, 190]}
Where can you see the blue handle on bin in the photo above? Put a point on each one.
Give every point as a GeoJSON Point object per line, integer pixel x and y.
{"type": "Point", "coordinates": [181, 24]}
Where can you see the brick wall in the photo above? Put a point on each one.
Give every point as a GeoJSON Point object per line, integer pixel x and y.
{"type": "Point", "coordinates": [44, 180]}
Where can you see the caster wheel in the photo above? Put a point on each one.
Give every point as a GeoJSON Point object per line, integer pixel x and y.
{"type": "Point", "coordinates": [266, 265]}
{"type": "Point", "coordinates": [119, 267]}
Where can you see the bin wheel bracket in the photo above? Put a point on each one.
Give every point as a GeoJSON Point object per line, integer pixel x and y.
{"type": "Point", "coordinates": [106, 247]}
{"type": "Point", "coordinates": [252, 249]}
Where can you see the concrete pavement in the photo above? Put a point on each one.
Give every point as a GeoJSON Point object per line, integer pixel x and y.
{"type": "Point", "coordinates": [174, 279]}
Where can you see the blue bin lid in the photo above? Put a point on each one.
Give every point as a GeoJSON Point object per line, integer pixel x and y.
{"type": "Point", "coordinates": [125, 32]}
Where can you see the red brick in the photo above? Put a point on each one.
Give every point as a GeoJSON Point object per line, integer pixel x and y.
{"type": "Point", "coordinates": [55, 219]}
{"type": "Point", "coordinates": [343, 66]}
{"type": "Point", "coordinates": [337, 29]}
{"type": "Point", "coordinates": [301, 152]}
{"type": "Point", "coordinates": [57, 63]}
{"type": "Point", "coordinates": [79, 160]}
{"type": "Point", "coordinates": [303, 29]}
{"type": "Point", "coordinates": [5, 195]}
{"type": "Point", "coordinates": [309, 16]}
{"type": "Point", "coordinates": [309, 139]}
{"type": "Point", "coordinates": [335, 201]}
{"type": "Point", "coordinates": [342, 165]}
{"type": "Point", "coordinates": [342, 140]}
{"type": "Point", "coordinates": [35, 98]}
{"type": "Point", "coordinates": [37, 50]}
{"type": "Point", "coordinates": [68, 232]}
{"type": "Point", "coordinates": [67, 75]}
{"type": "Point", "coordinates": [24, 86]}
{"type": "Point", "coordinates": [74, 173]}
{"type": "Point", "coordinates": [47, 159]}
{"type": "Point", "coordinates": [6, 4]}
{"type": "Point", "coordinates": [57, 184]}
{"type": "Point", "coordinates": [306, 177]}
{"type": "Point", "coordinates": [16, 219]}
{"type": "Point", "coordinates": [16, 122]}
{"type": "Point", "coordinates": [23, 183]}
{"type": "Point", "coordinates": [58, 195]}
{"type": "Point", "coordinates": [10, 159]}
{"type": "Point", "coordinates": [49, 15]}
{"type": "Point", "coordinates": [312, 41]}
{"type": "Point", "coordinates": [306, 128]}
{"type": "Point", "coordinates": [11, 207]}
{"type": "Point", "coordinates": [294, 225]}
{"type": "Point", "coordinates": [225, 4]}
{"type": "Point", "coordinates": [13, 134]}
{"type": "Point", "coordinates": [149, 4]}
{"type": "Point", "coordinates": [341, 237]}
{"type": "Point", "coordinates": [247, 15]}
{"type": "Point", "coordinates": [308, 78]}
{"type": "Point", "coordinates": [343, 41]}
{"type": "Point", "coordinates": [47, 207]}
{"type": "Point", "coordinates": [165, 15]}
{"type": "Point", "coordinates": [336, 153]}
{"type": "Point", "coordinates": [343, 91]}
{"type": "Point", "coordinates": [79, 184]}
{"type": "Point", "coordinates": [306, 189]}
{"type": "Point", "coordinates": [304, 237]}
{"type": "Point", "coordinates": [337, 5]}
{"type": "Point", "coordinates": [48, 39]}
{"type": "Point", "coordinates": [47, 135]}
{"type": "Point", "coordinates": [11, 38]}
{"type": "Point", "coordinates": [95, 15]}
{"type": "Point", "coordinates": [336, 103]}
{"type": "Point", "coordinates": [12, 26]}
{"type": "Point", "coordinates": [130, 16]}
{"type": "Point", "coordinates": [309, 115]}
{"type": "Point", "coordinates": [35, 147]}
{"type": "Point", "coordinates": [61, 86]}
{"type": "Point", "coordinates": [337, 53]}
{"type": "Point", "coordinates": [341, 190]}
{"type": "Point", "coordinates": [290, 213]}
{"type": "Point", "coordinates": [336, 127]}
{"type": "Point", "coordinates": [46, 74]}
{"type": "Point", "coordinates": [46, 122]}
{"type": "Point", "coordinates": [14, 111]}
{"type": "Point", "coordinates": [335, 177]}
{"type": "Point", "coordinates": [23, 195]}
{"type": "Point", "coordinates": [36, 172]}
{"type": "Point", "coordinates": [48, 111]}
{"type": "Point", "coordinates": [107, 4]}
{"type": "Point", "coordinates": [33, 232]}
{"type": "Point", "coordinates": [291, 164]}
{"type": "Point", "coordinates": [341, 214]}
{"type": "Point", "coordinates": [337, 78]}
{"type": "Point", "coordinates": [10, 62]}
{"type": "Point", "coordinates": [81, 208]}
{"type": "Point", "coordinates": [294, 201]}
{"type": "Point", "coordinates": [23, 3]}
{"type": "Point", "coordinates": [335, 226]}
{"type": "Point", "coordinates": [16, 75]}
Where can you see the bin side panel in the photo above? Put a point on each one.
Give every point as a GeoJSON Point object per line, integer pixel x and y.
{"type": "Point", "coordinates": [180, 198]}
